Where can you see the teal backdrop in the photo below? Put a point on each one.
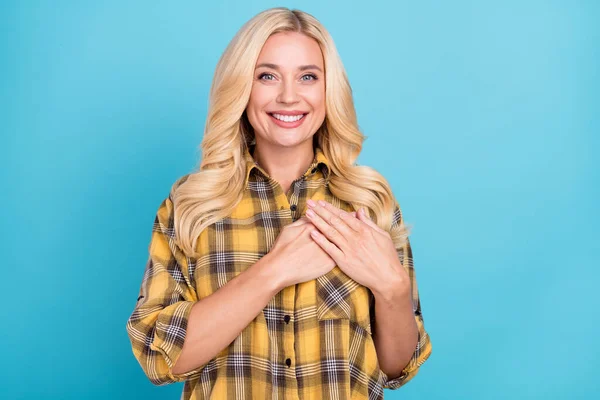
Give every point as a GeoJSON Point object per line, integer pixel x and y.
{"type": "Point", "coordinates": [484, 116]}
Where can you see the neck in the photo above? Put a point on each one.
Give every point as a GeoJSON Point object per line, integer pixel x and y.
{"type": "Point", "coordinates": [284, 164]}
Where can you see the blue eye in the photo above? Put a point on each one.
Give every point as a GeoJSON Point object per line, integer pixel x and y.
{"type": "Point", "coordinates": [271, 77]}
{"type": "Point", "coordinates": [265, 74]}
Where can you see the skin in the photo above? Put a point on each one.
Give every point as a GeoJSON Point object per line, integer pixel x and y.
{"type": "Point", "coordinates": [357, 245]}
{"type": "Point", "coordinates": [286, 153]}
{"type": "Point", "coordinates": [366, 253]}
{"type": "Point", "coordinates": [313, 245]}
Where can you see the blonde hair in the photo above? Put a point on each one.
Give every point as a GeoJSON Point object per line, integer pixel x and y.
{"type": "Point", "coordinates": [215, 189]}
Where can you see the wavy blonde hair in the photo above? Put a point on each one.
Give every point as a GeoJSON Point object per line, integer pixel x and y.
{"type": "Point", "coordinates": [215, 189]}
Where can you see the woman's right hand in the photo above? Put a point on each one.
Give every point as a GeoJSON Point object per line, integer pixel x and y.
{"type": "Point", "coordinates": [296, 257]}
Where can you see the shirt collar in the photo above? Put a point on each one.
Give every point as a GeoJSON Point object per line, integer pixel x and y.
{"type": "Point", "coordinates": [319, 161]}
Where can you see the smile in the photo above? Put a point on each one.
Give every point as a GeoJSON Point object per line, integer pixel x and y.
{"type": "Point", "coordinates": [288, 118]}
{"type": "Point", "coordinates": [287, 121]}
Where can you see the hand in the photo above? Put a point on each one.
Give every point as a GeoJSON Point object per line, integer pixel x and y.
{"type": "Point", "coordinates": [298, 257]}
{"type": "Point", "coordinates": [361, 249]}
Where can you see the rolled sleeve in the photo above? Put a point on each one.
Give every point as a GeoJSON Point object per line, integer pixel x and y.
{"type": "Point", "coordinates": [421, 353]}
{"type": "Point", "coordinates": [423, 348]}
{"type": "Point", "coordinates": [171, 327]}
{"type": "Point", "coordinates": [158, 325]}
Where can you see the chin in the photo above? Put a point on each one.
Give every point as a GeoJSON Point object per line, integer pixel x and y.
{"type": "Point", "coordinates": [292, 142]}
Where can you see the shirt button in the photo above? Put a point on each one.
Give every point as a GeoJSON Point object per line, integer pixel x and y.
{"type": "Point", "coordinates": [288, 362]}
{"type": "Point", "coordinates": [293, 207]}
{"type": "Point", "coordinates": [286, 319]}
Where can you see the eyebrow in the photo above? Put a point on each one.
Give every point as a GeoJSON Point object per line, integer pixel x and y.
{"type": "Point", "coordinates": [276, 67]}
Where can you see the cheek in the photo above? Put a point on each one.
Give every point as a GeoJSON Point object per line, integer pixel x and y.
{"type": "Point", "coordinates": [255, 109]}
{"type": "Point", "coordinates": [316, 99]}
{"type": "Point", "coordinates": [258, 100]}
{"type": "Point", "coordinates": [254, 102]}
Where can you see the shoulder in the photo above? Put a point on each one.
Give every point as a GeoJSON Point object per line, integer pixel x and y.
{"type": "Point", "coordinates": [166, 207]}
{"type": "Point", "coordinates": [176, 185]}
{"type": "Point", "coordinates": [180, 181]}
{"type": "Point", "coordinates": [386, 186]}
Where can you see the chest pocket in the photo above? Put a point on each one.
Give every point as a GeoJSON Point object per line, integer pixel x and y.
{"type": "Point", "coordinates": [340, 297]}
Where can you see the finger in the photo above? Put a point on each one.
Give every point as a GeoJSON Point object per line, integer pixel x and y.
{"type": "Point", "coordinates": [353, 223]}
{"type": "Point", "coordinates": [329, 231]}
{"type": "Point", "coordinates": [358, 224]}
{"type": "Point", "coordinates": [362, 216]}
{"type": "Point", "coordinates": [334, 252]}
{"type": "Point", "coordinates": [332, 226]}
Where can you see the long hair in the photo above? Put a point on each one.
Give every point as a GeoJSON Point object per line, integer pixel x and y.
{"type": "Point", "coordinates": [215, 189]}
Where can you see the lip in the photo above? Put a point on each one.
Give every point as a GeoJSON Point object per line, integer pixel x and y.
{"type": "Point", "coordinates": [287, 125]}
{"type": "Point", "coordinates": [283, 112]}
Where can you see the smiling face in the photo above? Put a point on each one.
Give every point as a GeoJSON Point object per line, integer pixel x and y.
{"type": "Point", "coordinates": [287, 102]}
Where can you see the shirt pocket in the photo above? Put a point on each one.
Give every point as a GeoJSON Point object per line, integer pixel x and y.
{"type": "Point", "coordinates": [340, 297]}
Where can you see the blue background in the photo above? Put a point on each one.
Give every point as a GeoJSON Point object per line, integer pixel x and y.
{"type": "Point", "coordinates": [484, 116]}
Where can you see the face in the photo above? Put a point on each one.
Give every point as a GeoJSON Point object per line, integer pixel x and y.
{"type": "Point", "coordinates": [287, 102]}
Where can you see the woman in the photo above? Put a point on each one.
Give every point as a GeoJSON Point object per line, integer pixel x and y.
{"type": "Point", "coordinates": [265, 278]}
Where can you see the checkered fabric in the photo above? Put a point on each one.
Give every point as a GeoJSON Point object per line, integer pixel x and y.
{"type": "Point", "coordinates": [313, 340]}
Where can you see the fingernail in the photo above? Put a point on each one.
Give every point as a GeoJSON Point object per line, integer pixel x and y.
{"type": "Point", "coordinates": [321, 202]}
{"type": "Point", "coordinates": [311, 203]}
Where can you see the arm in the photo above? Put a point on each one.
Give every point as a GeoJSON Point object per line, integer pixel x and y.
{"type": "Point", "coordinates": [400, 338]}
{"type": "Point", "coordinates": [171, 332]}
{"type": "Point", "coordinates": [367, 254]}
{"type": "Point", "coordinates": [231, 309]}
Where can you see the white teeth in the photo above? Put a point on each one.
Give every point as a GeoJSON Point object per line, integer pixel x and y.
{"type": "Point", "coordinates": [288, 118]}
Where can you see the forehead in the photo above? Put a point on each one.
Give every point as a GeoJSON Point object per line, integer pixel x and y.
{"type": "Point", "coordinates": [289, 49]}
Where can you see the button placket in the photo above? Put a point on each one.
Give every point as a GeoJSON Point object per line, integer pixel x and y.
{"type": "Point", "coordinates": [294, 197]}
{"type": "Point", "coordinates": [287, 328]}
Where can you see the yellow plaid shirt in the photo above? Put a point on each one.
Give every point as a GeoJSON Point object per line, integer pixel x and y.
{"type": "Point", "coordinates": [313, 340]}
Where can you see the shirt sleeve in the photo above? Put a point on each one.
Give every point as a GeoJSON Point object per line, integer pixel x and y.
{"type": "Point", "coordinates": [158, 324]}
{"type": "Point", "coordinates": [423, 349]}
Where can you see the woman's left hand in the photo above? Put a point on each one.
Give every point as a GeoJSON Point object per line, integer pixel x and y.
{"type": "Point", "coordinates": [360, 248]}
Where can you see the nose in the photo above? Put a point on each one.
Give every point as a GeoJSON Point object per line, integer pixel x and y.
{"type": "Point", "coordinates": [287, 93]}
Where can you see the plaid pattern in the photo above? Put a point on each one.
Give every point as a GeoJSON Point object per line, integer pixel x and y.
{"type": "Point", "coordinates": [312, 341]}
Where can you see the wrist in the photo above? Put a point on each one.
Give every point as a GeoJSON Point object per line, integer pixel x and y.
{"type": "Point", "coordinates": [268, 273]}
{"type": "Point", "coordinates": [392, 289]}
